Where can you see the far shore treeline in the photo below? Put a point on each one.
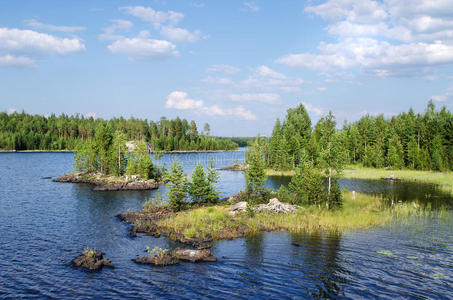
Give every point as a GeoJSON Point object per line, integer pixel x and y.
{"type": "Point", "coordinates": [422, 141]}
{"type": "Point", "coordinates": [22, 131]}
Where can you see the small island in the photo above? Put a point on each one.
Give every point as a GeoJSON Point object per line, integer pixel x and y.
{"type": "Point", "coordinates": [111, 164]}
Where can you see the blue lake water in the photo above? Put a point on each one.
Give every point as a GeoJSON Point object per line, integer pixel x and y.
{"type": "Point", "coordinates": [44, 225]}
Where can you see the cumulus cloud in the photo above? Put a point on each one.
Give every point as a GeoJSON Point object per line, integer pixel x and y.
{"type": "Point", "coordinates": [180, 34]}
{"type": "Point", "coordinates": [16, 61]}
{"type": "Point", "coordinates": [142, 47]}
{"type": "Point", "coordinates": [383, 38]}
{"type": "Point", "coordinates": [264, 77]}
{"type": "Point", "coordinates": [11, 111]}
{"type": "Point", "coordinates": [180, 100]}
{"type": "Point", "coordinates": [446, 95]}
{"type": "Point", "coordinates": [268, 72]}
{"type": "Point", "coordinates": [223, 68]}
{"type": "Point", "coordinates": [251, 6]}
{"type": "Point", "coordinates": [217, 80]}
{"type": "Point", "coordinates": [269, 98]}
{"type": "Point", "coordinates": [111, 32]}
{"type": "Point", "coordinates": [165, 22]}
{"type": "Point", "coordinates": [21, 48]}
{"type": "Point", "coordinates": [148, 14]}
{"type": "Point", "coordinates": [49, 27]}
{"type": "Point", "coordinates": [313, 109]}
{"type": "Point", "coordinates": [35, 43]}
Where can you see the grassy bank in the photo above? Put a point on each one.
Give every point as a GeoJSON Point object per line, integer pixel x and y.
{"type": "Point", "coordinates": [443, 179]}
{"type": "Point", "coordinates": [362, 213]}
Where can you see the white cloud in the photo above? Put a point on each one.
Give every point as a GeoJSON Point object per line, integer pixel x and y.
{"type": "Point", "coordinates": [312, 109]}
{"type": "Point", "coordinates": [16, 41]}
{"type": "Point", "coordinates": [290, 89]}
{"type": "Point", "coordinates": [376, 57]}
{"type": "Point", "coordinates": [142, 47]}
{"type": "Point", "coordinates": [21, 48]}
{"type": "Point", "coordinates": [238, 111]}
{"type": "Point", "coordinates": [217, 80]}
{"type": "Point", "coordinates": [439, 98]}
{"type": "Point", "coordinates": [180, 34]}
{"type": "Point", "coordinates": [251, 6]}
{"type": "Point", "coordinates": [322, 89]}
{"type": "Point", "coordinates": [383, 38]}
{"type": "Point", "coordinates": [179, 100]}
{"type": "Point", "coordinates": [269, 98]}
{"type": "Point", "coordinates": [157, 18]}
{"type": "Point", "coordinates": [49, 27]}
{"type": "Point", "coordinates": [11, 111]}
{"type": "Point", "coordinates": [448, 94]}
{"type": "Point", "coordinates": [265, 71]}
{"type": "Point", "coordinates": [16, 61]}
{"type": "Point", "coordinates": [223, 68]}
{"type": "Point", "coordinates": [197, 5]}
{"type": "Point", "coordinates": [111, 32]}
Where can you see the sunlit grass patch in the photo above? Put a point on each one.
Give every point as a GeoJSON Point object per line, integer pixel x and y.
{"type": "Point", "coordinates": [364, 212]}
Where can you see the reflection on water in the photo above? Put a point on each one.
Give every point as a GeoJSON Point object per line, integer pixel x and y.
{"type": "Point", "coordinates": [45, 224]}
{"type": "Point", "coordinates": [423, 193]}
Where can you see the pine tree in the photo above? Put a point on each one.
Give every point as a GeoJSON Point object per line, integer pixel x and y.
{"type": "Point", "coordinates": [199, 188]}
{"type": "Point", "coordinates": [177, 186]}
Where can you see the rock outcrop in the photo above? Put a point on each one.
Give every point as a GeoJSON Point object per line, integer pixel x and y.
{"type": "Point", "coordinates": [274, 206]}
{"type": "Point", "coordinates": [107, 183]}
{"type": "Point", "coordinates": [277, 207]}
{"type": "Point", "coordinates": [194, 255]}
{"type": "Point", "coordinates": [92, 260]}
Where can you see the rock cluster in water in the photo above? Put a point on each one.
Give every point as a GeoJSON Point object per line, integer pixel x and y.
{"type": "Point", "coordinates": [166, 258]}
{"type": "Point", "coordinates": [109, 183]}
{"type": "Point", "coordinates": [92, 260]}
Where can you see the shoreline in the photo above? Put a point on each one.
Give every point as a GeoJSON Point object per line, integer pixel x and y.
{"type": "Point", "coordinates": [72, 151]}
{"type": "Point", "coordinates": [201, 226]}
{"type": "Point", "coordinates": [443, 179]}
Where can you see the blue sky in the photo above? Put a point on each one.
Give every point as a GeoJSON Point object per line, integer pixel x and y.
{"type": "Point", "coordinates": [235, 64]}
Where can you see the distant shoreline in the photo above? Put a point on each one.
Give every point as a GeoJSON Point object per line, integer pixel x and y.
{"type": "Point", "coordinates": [72, 151]}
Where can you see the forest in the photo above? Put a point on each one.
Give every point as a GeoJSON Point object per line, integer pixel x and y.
{"type": "Point", "coordinates": [422, 141]}
{"type": "Point", "coordinates": [21, 131]}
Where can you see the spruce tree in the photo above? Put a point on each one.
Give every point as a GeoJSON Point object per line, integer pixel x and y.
{"type": "Point", "coordinates": [255, 174]}
{"type": "Point", "coordinates": [177, 186]}
{"type": "Point", "coordinates": [199, 188]}
{"type": "Point", "coordinates": [212, 178]}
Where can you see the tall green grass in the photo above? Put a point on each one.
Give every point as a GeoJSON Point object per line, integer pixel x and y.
{"type": "Point", "coordinates": [362, 213]}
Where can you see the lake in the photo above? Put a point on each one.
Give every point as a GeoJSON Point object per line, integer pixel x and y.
{"type": "Point", "coordinates": [44, 225]}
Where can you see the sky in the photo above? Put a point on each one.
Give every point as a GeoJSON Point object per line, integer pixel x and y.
{"type": "Point", "coordinates": [237, 65]}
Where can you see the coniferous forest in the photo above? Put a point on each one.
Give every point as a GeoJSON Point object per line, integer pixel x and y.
{"type": "Point", "coordinates": [422, 141]}
{"type": "Point", "coordinates": [21, 131]}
